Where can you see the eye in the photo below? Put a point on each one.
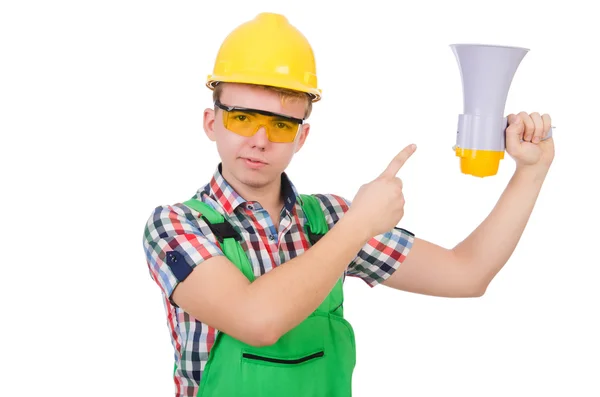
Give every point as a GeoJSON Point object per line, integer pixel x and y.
{"type": "Point", "coordinates": [240, 117]}
{"type": "Point", "coordinates": [282, 125]}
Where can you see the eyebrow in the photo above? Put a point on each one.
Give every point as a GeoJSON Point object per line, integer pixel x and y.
{"type": "Point", "coordinates": [258, 111]}
{"type": "Point", "coordinates": [275, 116]}
{"type": "Point", "coordinates": [283, 118]}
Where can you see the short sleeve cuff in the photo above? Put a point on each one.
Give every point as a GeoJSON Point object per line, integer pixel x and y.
{"type": "Point", "coordinates": [382, 256]}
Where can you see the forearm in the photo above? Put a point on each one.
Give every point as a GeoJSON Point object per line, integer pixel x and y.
{"type": "Point", "coordinates": [490, 246]}
{"type": "Point", "coordinates": [286, 295]}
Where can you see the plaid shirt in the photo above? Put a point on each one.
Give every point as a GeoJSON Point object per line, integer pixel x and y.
{"type": "Point", "coordinates": [178, 228]}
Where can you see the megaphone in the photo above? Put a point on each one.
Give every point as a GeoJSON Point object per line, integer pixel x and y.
{"type": "Point", "coordinates": [486, 72]}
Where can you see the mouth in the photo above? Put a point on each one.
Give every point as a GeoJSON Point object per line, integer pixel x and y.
{"type": "Point", "coordinates": [253, 160]}
{"type": "Point", "coordinates": [253, 163]}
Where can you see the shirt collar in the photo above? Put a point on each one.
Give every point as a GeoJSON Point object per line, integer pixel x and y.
{"type": "Point", "coordinates": [223, 193]}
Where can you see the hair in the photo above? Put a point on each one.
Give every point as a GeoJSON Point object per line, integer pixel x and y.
{"type": "Point", "coordinates": [285, 94]}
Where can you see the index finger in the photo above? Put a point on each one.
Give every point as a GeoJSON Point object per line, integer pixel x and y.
{"type": "Point", "coordinates": [398, 161]}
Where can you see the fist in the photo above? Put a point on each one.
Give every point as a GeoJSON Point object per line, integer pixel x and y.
{"type": "Point", "coordinates": [379, 205]}
{"type": "Point", "coordinates": [526, 139]}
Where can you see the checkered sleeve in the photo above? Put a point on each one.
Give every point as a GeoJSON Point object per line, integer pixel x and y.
{"type": "Point", "coordinates": [174, 244]}
{"type": "Point", "coordinates": [381, 256]}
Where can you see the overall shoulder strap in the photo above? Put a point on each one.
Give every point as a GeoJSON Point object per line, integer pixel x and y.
{"type": "Point", "coordinates": [226, 234]}
{"type": "Point", "coordinates": [221, 228]}
{"type": "Point", "coordinates": [316, 223]}
{"type": "Point", "coordinates": [316, 228]}
{"type": "Point", "coordinates": [206, 210]}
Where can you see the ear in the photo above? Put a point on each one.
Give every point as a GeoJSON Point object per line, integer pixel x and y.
{"type": "Point", "coordinates": [209, 123]}
{"type": "Point", "coordinates": [302, 137]}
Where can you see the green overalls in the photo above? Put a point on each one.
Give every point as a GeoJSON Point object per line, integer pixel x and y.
{"type": "Point", "coordinates": [314, 359]}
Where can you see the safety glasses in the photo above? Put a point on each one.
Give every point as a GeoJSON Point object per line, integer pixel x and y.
{"type": "Point", "coordinates": [246, 122]}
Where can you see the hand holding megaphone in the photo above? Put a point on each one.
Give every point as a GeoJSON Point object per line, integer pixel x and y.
{"type": "Point", "coordinates": [525, 139]}
{"type": "Point", "coordinates": [379, 205]}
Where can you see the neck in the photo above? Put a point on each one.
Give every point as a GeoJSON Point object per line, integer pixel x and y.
{"type": "Point", "coordinates": [269, 195]}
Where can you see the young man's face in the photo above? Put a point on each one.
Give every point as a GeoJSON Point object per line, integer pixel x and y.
{"type": "Point", "coordinates": [237, 151]}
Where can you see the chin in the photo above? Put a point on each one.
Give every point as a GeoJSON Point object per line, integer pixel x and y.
{"type": "Point", "coordinates": [254, 179]}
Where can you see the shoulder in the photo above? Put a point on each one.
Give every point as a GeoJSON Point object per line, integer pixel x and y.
{"type": "Point", "coordinates": [165, 214]}
{"type": "Point", "coordinates": [333, 202]}
{"type": "Point", "coordinates": [334, 206]}
{"type": "Point", "coordinates": [175, 219]}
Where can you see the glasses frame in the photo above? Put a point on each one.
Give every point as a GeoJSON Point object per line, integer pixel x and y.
{"type": "Point", "coordinates": [263, 112]}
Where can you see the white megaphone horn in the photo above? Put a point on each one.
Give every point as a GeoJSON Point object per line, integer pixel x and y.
{"type": "Point", "coordinates": [487, 72]}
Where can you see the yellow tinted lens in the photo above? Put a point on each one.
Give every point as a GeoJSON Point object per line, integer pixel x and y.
{"type": "Point", "coordinates": [281, 130]}
{"type": "Point", "coordinates": [247, 123]}
{"type": "Point", "coordinates": [242, 123]}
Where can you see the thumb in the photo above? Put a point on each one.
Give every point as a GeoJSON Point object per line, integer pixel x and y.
{"type": "Point", "coordinates": [514, 132]}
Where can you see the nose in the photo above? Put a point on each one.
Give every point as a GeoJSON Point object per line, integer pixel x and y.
{"type": "Point", "coordinates": [260, 139]}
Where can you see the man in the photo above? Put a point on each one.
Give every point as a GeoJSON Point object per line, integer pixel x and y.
{"type": "Point", "coordinates": [252, 292]}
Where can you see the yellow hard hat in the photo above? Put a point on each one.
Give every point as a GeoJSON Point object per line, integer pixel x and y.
{"type": "Point", "coordinates": [267, 50]}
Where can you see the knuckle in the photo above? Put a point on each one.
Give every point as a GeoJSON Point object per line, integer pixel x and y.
{"type": "Point", "coordinates": [539, 127]}
{"type": "Point", "coordinates": [529, 122]}
{"type": "Point", "coordinates": [547, 121]}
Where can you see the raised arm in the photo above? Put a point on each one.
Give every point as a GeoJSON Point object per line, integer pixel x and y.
{"type": "Point", "coordinates": [467, 269]}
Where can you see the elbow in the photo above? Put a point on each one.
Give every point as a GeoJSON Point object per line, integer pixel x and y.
{"type": "Point", "coordinates": [476, 279]}
{"type": "Point", "coordinates": [259, 326]}
{"type": "Point", "coordinates": [479, 287]}
{"type": "Point", "coordinates": [478, 291]}
{"type": "Point", "coordinates": [262, 332]}
{"type": "Point", "coordinates": [472, 287]}
{"type": "Point", "coordinates": [469, 291]}
{"type": "Point", "coordinates": [253, 332]}
{"type": "Point", "coordinates": [266, 338]}
{"type": "Point", "coordinates": [262, 339]}
{"type": "Point", "coordinates": [257, 337]}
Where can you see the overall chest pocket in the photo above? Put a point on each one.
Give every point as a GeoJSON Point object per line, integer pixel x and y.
{"type": "Point", "coordinates": [250, 357]}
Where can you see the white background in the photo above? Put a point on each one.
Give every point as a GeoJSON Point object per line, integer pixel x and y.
{"type": "Point", "coordinates": [101, 120]}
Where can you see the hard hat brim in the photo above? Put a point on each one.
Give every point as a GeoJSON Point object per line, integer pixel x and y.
{"type": "Point", "coordinates": [314, 93]}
